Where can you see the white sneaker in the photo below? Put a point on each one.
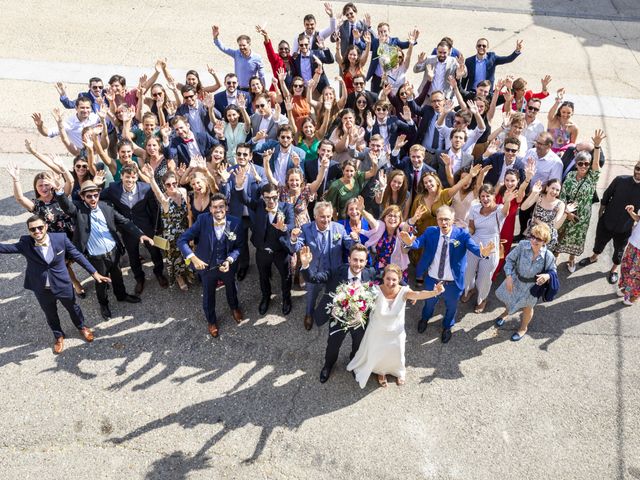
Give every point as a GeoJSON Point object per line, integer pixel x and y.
{"type": "Point", "coordinates": [619, 292]}
{"type": "Point", "coordinates": [571, 267]}
{"type": "Point", "coordinates": [627, 302]}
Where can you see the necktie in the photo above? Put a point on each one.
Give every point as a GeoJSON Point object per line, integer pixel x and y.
{"type": "Point", "coordinates": [351, 33]}
{"type": "Point", "coordinates": [443, 257]}
{"type": "Point", "coordinates": [435, 141]}
{"type": "Point", "coordinates": [416, 175]}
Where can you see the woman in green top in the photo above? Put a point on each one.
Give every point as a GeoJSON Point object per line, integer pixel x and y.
{"type": "Point", "coordinates": [349, 185]}
{"type": "Point", "coordinates": [310, 139]}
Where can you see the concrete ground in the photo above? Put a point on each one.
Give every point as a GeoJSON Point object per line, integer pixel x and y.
{"type": "Point", "coordinates": [154, 397]}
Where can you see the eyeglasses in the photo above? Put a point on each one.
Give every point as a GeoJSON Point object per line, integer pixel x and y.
{"type": "Point", "coordinates": [537, 239]}
{"type": "Point", "coordinates": [533, 109]}
{"type": "Point", "coordinates": [298, 85]}
{"type": "Point", "coordinates": [582, 164]}
{"type": "Point", "coordinates": [445, 220]}
{"type": "Point", "coordinates": [270, 198]}
{"type": "Point", "coordinates": [261, 105]}
{"type": "Point", "coordinates": [37, 228]}
{"type": "Point", "coordinates": [242, 154]}
{"type": "Point", "coordinates": [481, 46]}
{"type": "Point", "coordinates": [159, 94]}
{"type": "Point", "coordinates": [188, 96]}
{"type": "Point", "coordinates": [510, 150]}
{"type": "Point", "coordinates": [90, 196]}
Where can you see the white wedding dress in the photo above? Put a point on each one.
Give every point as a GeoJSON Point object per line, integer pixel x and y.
{"type": "Point", "coordinates": [382, 347]}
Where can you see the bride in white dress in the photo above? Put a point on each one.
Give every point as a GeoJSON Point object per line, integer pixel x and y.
{"type": "Point", "coordinates": [382, 347]}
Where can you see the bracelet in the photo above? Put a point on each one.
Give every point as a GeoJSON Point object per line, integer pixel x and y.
{"type": "Point", "coordinates": [596, 146]}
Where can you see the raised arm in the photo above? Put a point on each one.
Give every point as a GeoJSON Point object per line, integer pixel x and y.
{"type": "Point", "coordinates": [46, 161]}
{"type": "Point", "coordinates": [14, 173]}
{"type": "Point", "coordinates": [597, 138]}
{"type": "Point", "coordinates": [71, 148]}
{"type": "Point", "coordinates": [324, 165]}
{"type": "Point", "coordinates": [266, 164]}
{"type": "Point", "coordinates": [364, 57]}
{"type": "Point", "coordinates": [554, 108]}
{"type": "Point", "coordinates": [533, 196]}
{"type": "Point", "coordinates": [161, 197]}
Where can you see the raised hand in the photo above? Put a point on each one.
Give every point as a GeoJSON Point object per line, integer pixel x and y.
{"type": "Point", "coordinates": [56, 160]}
{"type": "Point", "coordinates": [508, 196]}
{"type": "Point", "coordinates": [560, 94]}
{"type": "Point", "coordinates": [382, 179]}
{"type": "Point", "coordinates": [597, 138]}
{"type": "Point", "coordinates": [431, 72]}
{"type": "Point", "coordinates": [406, 113]}
{"type": "Point", "coordinates": [545, 81]}
{"type": "Point", "coordinates": [446, 159]}
{"type": "Point", "coordinates": [360, 203]}
{"type": "Point", "coordinates": [328, 9]}
{"type": "Point", "coordinates": [208, 100]}
{"type": "Point", "coordinates": [493, 147]}
{"type": "Point", "coordinates": [215, 31]}
{"type": "Point", "coordinates": [420, 212]}
{"type": "Point", "coordinates": [295, 233]}
{"type": "Point", "coordinates": [519, 45]}
{"type": "Point", "coordinates": [473, 107]}
{"type": "Point", "coordinates": [366, 36]}
{"type": "Point", "coordinates": [413, 35]}
{"type": "Point", "coordinates": [370, 120]}
{"type": "Point", "coordinates": [537, 187]}
{"type": "Point", "coordinates": [475, 170]}
{"type": "Point", "coordinates": [218, 128]}
{"type": "Point", "coordinates": [282, 74]}
{"type": "Point", "coordinates": [29, 146]}
{"type": "Point", "coordinates": [448, 106]}
{"type": "Point", "coordinates": [406, 237]}
{"type": "Point", "coordinates": [221, 170]}
{"type": "Point", "coordinates": [165, 132]}
{"type": "Point", "coordinates": [60, 88]}
{"type": "Point", "coordinates": [401, 141]}
{"type": "Point", "coordinates": [14, 173]}
{"type": "Point", "coordinates": [295, 158]}
{"type": "Point", "coordinates": [242, 100]}
{"type": "Point", "coordinates": [486, 250]}
{"type": "Point", "coordinates": [99, 177]}
{"type": "Point", "coordinates": [438, 288]}
{"type": "Point", "coordinates": [571, 207]}
{"type": "Point", "coordinates": [305, 256]}
{"type": "Point", "coordinates": [147, 169]}
{"type": "Point", "coordinates": [530, 169]}
{"type": "Point", "coordinates": [279, 222]}
{"type": "Point", "coordinates": [37, 119]}
{"type": "Point", "coordinates": [241, 175]}
{"type": "Point", "coordinates": [262, 31]}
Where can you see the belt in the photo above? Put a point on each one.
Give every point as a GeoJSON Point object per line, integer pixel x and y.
{"type": "Point", "coordinates": [103, 255]}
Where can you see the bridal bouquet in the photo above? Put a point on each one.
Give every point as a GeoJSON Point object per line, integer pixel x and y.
{"type": "Point", "coordinates": [351, 305]}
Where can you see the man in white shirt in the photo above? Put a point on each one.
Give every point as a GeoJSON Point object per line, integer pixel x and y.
{"type": "Point", "coordinates": [444, 66]}
{"type": "Point", "coordinates": [461, 120]}
{"type": "Point", "coordinates": [533, 126]}
{"type": "Point", "coordinates": [73, 125]}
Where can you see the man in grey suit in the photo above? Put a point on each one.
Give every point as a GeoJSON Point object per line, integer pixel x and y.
{"type": "Point", "coordinates": [443, 66]}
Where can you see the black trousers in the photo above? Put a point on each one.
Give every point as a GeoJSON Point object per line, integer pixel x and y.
{"type": "Point", "coordinates": [109, 266]}
{"type": "Point", "coordinates": [376, 84]}
{"type": "Point", "coordinates": [243, 259]}
{"type": "Point", "coordinates": [280, 259]}
{"type": "Point", "coordinates": [48, 303]}
{"type": "Point", "coordinates": [604, 236]}
{"type": "Point", "coordinates": [209, 280]}
{"type": "Point", "coordinates": [336, 337]}
{"type": "Point", "coordinates": [132, 245]}
{"type": "Point", "coordinates": [523, 217]}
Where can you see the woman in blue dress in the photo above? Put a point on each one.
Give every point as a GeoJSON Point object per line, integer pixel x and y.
{"type": "Point", "coordinates": [523, 269]}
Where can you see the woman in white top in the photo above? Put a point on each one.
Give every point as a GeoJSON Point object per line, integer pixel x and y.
{"type": "Point", "coordinates": [485, 223]}
{"type": "Point", "coordinates": [382, 347]}
{"type": "Point", "coordinates": [235, 129]}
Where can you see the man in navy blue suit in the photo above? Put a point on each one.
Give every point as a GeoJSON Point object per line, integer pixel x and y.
{"type": "Point", "coordinates": [482, 66]}
{"type": "Point", "coordinates": [48, 278]}
{"type": "Point", "coordinates": [185, 144]}
{"type": "Point", "coordinates": [305, 63]}
{"type": "Point", "coordinates": [328, 242]}
{"type": "Point", "coordinates": [356, 272]}
{"type": "Point", "coordinates": [256, 178]}
{"type": "Point", "coordinates": [502, 161]}
{"type": "Point", "coordinates": [219, 240]}
{"type": "Point", "coordinates": [445, 260]}
{"type": "Point", "coordinates": [273, 220]}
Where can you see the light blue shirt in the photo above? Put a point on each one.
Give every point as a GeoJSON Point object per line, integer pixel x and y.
{"type": "Point", "coordinates": [244, 67]}
{"type": "Point", "coordinates": [100, 239]}
{"type": "Point", "coordinates": [306, 68]}
{"type": "Point", "coordinates": [481, 71]}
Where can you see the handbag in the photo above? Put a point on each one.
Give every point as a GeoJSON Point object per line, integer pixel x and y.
{"type": "Point", "coordinates": [158, 241]}
{"type": "Point", "coordinates": [503, 241]}
{"type": "Point", "coordinates": [536, 290]}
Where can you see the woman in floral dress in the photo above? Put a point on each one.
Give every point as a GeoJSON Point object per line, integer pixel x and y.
{"type": "Point", "coordinates": [579, 187]}
{"type": "Point", "coordinates": [175, 206]}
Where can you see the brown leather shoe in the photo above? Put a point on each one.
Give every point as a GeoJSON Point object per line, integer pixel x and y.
{"type": "Point", "coordinates": [308, 322]}
{"type": "Point", "coordinates": [213, 330]}
{"type": "Point", "coordinates": [87, 334]}
{"type": "Point", "coordinates": [58, 346]}
{"type": "Point", "coordinates": [139, 287]}
{"type": "Point", "coordinates": [237, 315]}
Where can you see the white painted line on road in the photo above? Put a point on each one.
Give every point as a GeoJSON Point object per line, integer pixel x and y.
{"type": "Point", "coordinates": [50, 72]}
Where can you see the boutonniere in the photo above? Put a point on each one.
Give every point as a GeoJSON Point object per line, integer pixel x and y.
{"type": "Point", "coordinates": [230, 235]}
{"type": "Point", "coordinates": [337, 236]}
{"type": "Point", "coordinates": [455, 243]}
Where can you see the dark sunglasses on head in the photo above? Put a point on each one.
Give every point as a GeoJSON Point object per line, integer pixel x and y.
{"type": "Point", "coordinates": [37, 228]}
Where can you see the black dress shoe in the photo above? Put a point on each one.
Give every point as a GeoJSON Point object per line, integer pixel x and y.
{"type": "Point", "coordinates": [324, 374]}
{"type": "Point", "coordinates": [162, 281]}
{"type": "Point", "coordinates": [286, 307]}
{"type": "Point", "coordinates": [242, 273]}
{"type": "Point", "coordinates": [105, 311]}
{"type": "Point", "coordinates": [139, 287]}
{"type": "Point", "coordinates": [264, 306]}
{"type": "Point", "coordinates": [130, 299]}
{"type": "Point", "coordinates": [422, 326]}
{"type": "Point", "coordinates": [446, 335]}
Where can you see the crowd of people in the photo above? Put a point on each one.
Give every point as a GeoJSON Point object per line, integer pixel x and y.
{"type": "Point", "coordinates": [395, 183]}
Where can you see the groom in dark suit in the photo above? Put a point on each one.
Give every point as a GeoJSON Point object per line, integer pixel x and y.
{"type": "Point", "coordinates": [219, 241]}
{"type": "Point", "coordinates": [355, 271]}
{"type": "Point", "coordinates": [48, 278]}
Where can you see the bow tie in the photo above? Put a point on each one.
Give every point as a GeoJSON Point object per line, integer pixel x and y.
{"type": "Point", "coordinates": [274, 211]}
{"type": "Point", "coordinates": [354, 279]}
{"type": "Point", "coordinates": [188, 140]}
{"type": "Point", "coordinates": [43, 244]}
{"type": "Point", "coordinates": [220, 224]}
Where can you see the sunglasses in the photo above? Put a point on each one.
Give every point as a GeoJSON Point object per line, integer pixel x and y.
{"type": "Point", "coordinates": [37, 228]}
{"type": "Point", "coordinates": [90, 196]}
{"type": "Point", "coordinates": [381, 109]}
{"type": "Point", "coordinates": [261, 105]}
{"type": "Point", "coordinates": [533, 109]}
{"type": "Point", "coordinates": [303, 44]}
{"type": "Point", "coordinates": [481, 46]}
{"type": "Point", "coordinates": [97, 87]}
{"type": "Point", "coordinates": [231, 83]}
{"type": "Point", "coordinates": [158, 94]}
{"type": "Point", "coordinates": [187, 96]}
{"type": "Point", "coordinates": [81, 166]}
{"type": "Point", "coordinates": [298, 85]}
{"type": "Point", "coordinates": [358, 83]}
{"type": "Point", "coordinates": [582, 164]}
{"type": "Point", "coordinates": [171, 184]}
{"type": "Point", "coordinates": [242, 154]}
{"type": "Point", "coordinates": [286, 137]}
{"type": "Point", "coordinates": [510, 150]}
{"type": "Point", "coordinates": [537, 239]}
